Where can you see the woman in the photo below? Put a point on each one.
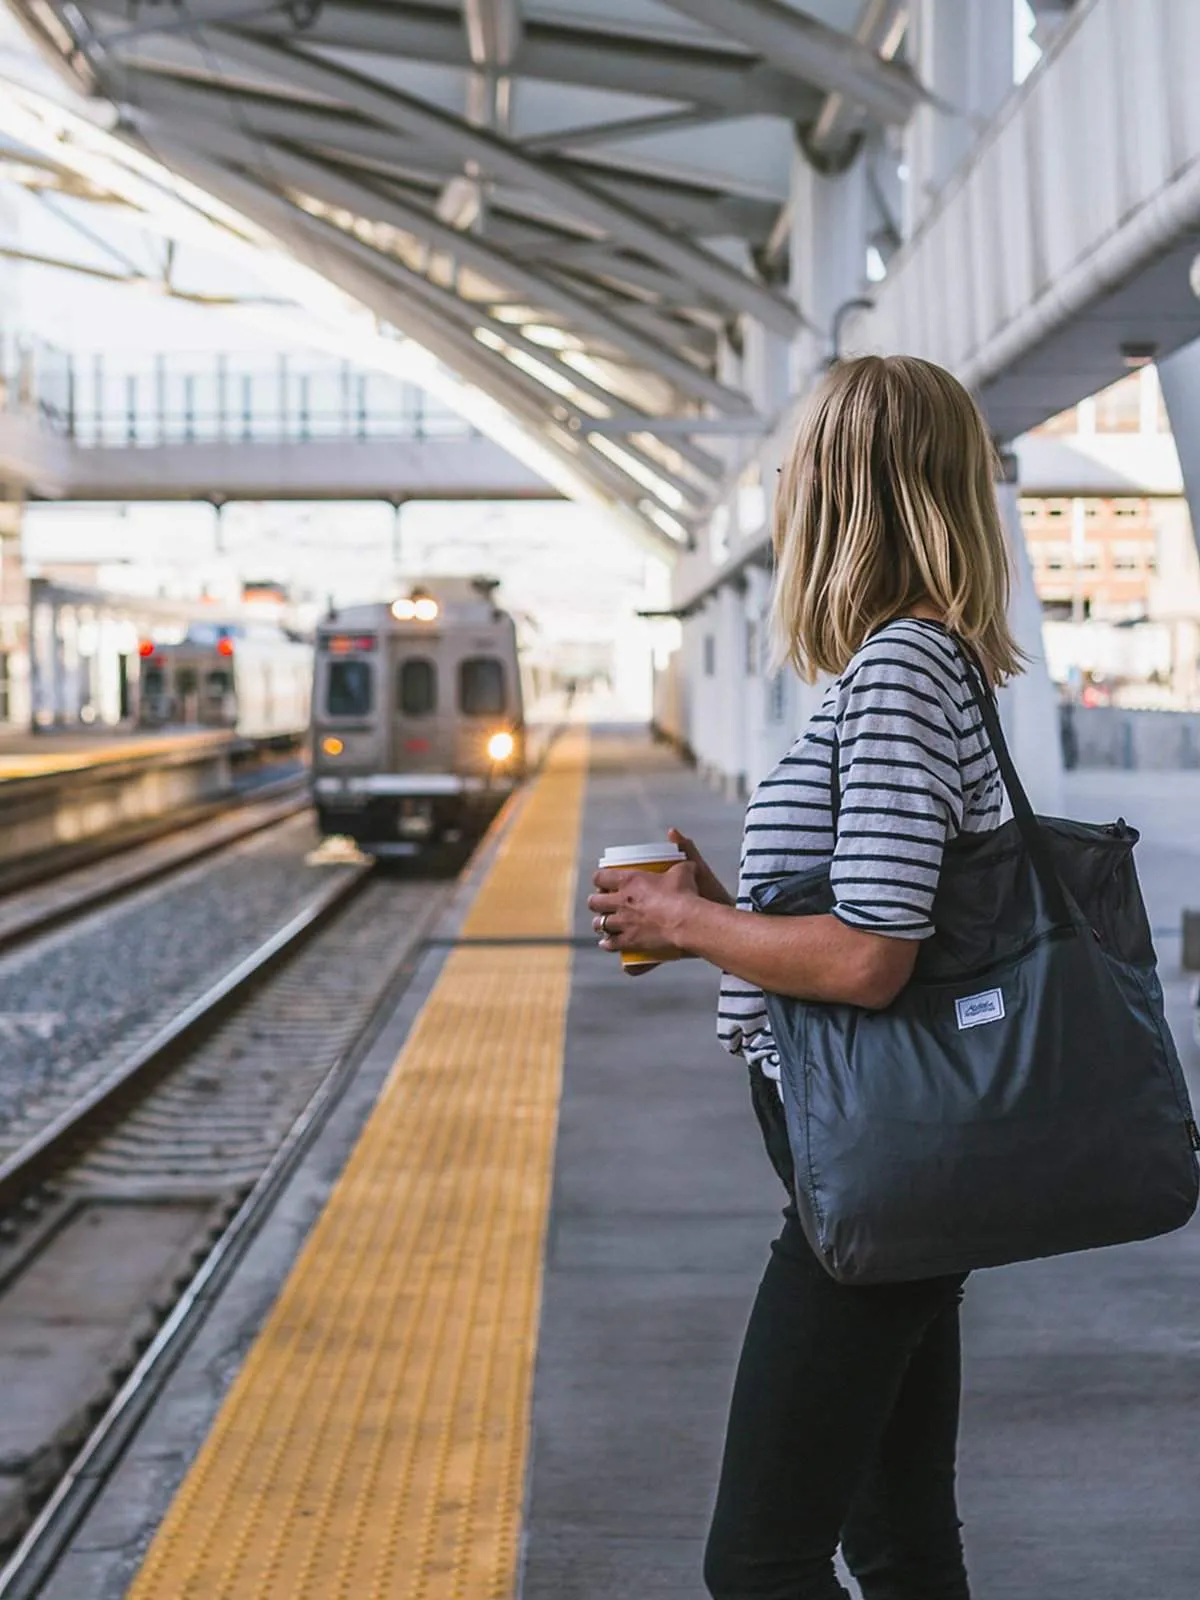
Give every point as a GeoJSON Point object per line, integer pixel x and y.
{"type": "Point", "coordinates": [888, 544]}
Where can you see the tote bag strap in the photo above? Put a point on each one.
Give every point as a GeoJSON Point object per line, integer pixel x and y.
{"type": "Point", "coordinates": [983, 697]}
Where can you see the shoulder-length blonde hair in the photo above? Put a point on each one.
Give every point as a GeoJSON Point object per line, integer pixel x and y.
{"type": "Point", "coordinates": [887, 499]}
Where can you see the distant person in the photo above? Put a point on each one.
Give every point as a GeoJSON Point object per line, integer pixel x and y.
{"type": "Point", "coordinates": [888, 544]}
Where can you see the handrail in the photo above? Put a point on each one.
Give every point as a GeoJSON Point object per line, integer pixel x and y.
{"type": "Point", "coordinates": [99, 401]}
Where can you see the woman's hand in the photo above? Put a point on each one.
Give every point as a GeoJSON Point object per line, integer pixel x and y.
{"type": "Point", "coordinates": [644, 911]}
{"type": "Point", "coordinates": [708, 885]}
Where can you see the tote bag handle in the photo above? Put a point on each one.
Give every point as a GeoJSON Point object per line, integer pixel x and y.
{"type": "Point", "coordinates": [983, 697]}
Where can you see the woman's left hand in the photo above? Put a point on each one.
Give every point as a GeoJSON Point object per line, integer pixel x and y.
{"type": "Point", "coordinates": [643, 911]}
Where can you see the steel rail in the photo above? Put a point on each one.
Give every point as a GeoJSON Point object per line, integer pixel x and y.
{"type": "Point", "coordinates": [41, 1156]}
{"type": "Point", "coordinates": [49, 1536]}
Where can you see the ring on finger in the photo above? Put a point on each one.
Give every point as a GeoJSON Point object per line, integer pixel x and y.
{"type": "Point", "coordinates": [604, 926]}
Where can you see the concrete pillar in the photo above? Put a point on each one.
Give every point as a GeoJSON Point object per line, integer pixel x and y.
{"type": "Point", "coordinates": [831, 224]}
{"type": "Point", "coordinates": [1029, 706]}
{"type": "Point", "coordinates": [962, 50]}
{"type": "Point", "coordinates": [1179, 378]}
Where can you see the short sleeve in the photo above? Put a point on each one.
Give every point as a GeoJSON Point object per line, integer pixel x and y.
{"type": "Point", "coordinates": [897, 719]}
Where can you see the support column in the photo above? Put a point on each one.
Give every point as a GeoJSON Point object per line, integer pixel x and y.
{"type": "Point", "coordinates": [1029, 706]}
{"type": "Point", "coordinates": [831, 226]}
{"type": "Point", "coordinates": [1179, 378]}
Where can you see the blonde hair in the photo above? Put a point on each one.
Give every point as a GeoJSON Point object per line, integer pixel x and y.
{"type": "Point", "coordinates": [887, 499]}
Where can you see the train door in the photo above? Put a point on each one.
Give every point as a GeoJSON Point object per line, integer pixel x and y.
{"type": "Point", "coordinates": [421, 726]}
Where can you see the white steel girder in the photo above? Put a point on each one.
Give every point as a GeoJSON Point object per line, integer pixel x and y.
{"type": "Point", "coordinates": [516, 181]}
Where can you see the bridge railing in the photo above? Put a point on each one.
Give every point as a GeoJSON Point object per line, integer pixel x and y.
{"type": "Point", "coordinates": [100, 400]}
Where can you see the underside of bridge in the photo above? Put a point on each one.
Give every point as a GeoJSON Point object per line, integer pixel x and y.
{"type": "Point", "coordinates": [589, 215]}
{"type": "Point", "coordinates": [640, 232]}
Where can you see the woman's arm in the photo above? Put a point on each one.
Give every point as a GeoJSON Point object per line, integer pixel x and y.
{"type": "Point", "coordinates": [812, 958]}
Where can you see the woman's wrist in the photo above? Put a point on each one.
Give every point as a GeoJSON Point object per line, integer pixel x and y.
{"type": "Point", "coordinates": [692, 922]}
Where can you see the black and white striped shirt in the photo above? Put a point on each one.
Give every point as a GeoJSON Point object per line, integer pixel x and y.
{"type": "Point", "coordinates": [916, 769]}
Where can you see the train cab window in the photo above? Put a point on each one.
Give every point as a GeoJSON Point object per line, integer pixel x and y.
{"type": "Point", "coordinates": [153, 680]}
{"type": "Point", "coordinates": [481, 687]}
{"type": "Point", "coordinates": [218, 684]}
{"type": "Point", "coordinates": [416, 690]}
{"type": "Point", "coordinates": [349, 690]}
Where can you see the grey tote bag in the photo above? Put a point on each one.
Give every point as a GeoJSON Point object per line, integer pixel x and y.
{"type": "Point", "coordinates": [1022, 1096]}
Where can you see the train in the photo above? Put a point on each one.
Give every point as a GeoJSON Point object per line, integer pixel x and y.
{"type": "Point", "coordinates": [418, 717]}
{"type": "Point", "coordinates": [251, 677]}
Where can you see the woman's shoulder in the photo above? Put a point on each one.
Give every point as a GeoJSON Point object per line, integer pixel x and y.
{"type": "Point", "coordinates": [908, 652]}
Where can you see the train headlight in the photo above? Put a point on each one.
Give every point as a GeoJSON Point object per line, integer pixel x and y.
{"type": "Point", "coordinates": [416, 608]}
{"type": "Point", "coordinates": [500, 746]}
{"type": "Point", "coordinates": [332, 746]}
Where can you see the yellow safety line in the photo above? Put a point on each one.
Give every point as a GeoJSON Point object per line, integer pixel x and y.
{"type": "Point", "coordinates": [374, 1445]}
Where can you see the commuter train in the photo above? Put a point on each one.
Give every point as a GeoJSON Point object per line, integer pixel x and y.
{"type": "Point", "coordinates": [418, 717]}
{"type": "Point", "coordinates": [251, 677]}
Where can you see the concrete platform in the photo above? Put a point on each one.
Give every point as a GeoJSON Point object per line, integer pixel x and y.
{"type": "Point", "coordinates": [36, 755]}
{"type": "Point", "coordinates": [1080, 1472]}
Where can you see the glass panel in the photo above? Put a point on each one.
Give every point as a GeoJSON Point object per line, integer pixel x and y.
{"type": "Point", "coordinates": [481, 687]}
{"type": "Point", "coordinates": [417, 690]}
{"type": "Point", "coordinates": [349, 690]}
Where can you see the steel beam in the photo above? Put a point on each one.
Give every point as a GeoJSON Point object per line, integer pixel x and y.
{"type": "Point", "coordinates": [462, 355]}
{"type": "Point", "coordinates": [357, 194]}
{"type": "Point", "coordinates": [498, 158]}
{"type": "Point", "coordinates": [881, 26]}
{"type": "Point", "coordinates": [812, 51]}
{"type": "Point", "coordinates": [721, 77]}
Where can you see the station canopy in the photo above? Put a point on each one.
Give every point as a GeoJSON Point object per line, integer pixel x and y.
{"type": "Point", "coordinates": [574, 207]}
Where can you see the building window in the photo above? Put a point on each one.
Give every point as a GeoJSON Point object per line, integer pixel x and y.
{"type": "Point", "coordinates": [751, 647]}
{"type": "Point", "coordinates": [710, 655]}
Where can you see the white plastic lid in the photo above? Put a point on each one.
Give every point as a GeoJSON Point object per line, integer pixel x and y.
{"type": "Point", "coordinates": [637, 855]}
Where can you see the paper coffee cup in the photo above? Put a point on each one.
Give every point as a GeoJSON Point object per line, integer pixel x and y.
{"type": "Point", "coordinates": [657, 856]}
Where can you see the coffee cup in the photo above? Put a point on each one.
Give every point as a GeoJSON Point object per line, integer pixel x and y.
{"type": "Point", "coordinates": [659, 856]}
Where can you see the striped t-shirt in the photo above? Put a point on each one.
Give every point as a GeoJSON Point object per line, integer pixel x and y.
{"type": "Point", "coordinates": [916, 769]}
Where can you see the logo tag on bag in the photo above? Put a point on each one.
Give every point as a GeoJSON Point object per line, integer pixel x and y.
{"type": "Point", "coordinates": [976, 1009]}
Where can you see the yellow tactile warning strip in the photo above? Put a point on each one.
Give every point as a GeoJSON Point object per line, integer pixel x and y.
{"type": "Point", "coordinates": [373, 1446]}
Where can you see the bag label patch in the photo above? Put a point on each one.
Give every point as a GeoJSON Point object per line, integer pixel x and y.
{"type": "Point", "coordinates": [976, 1009]}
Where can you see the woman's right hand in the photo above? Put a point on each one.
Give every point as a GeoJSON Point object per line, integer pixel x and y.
{"type": "Point", "coordinates": [707, 882]}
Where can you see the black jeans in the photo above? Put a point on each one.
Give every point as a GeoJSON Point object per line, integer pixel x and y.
{"type": "Point", "coordinates": [843, 1429]}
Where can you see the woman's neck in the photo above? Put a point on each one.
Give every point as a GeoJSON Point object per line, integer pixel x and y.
{"type": "Point", "coordinates": [926, 610]}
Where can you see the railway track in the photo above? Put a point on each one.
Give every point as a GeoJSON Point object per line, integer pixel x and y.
{"type": "Point", "coordinates": [61, 895]}
{"type": "Point", "coordinates": [118, 1217]}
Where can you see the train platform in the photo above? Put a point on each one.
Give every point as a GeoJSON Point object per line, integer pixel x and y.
{"type": "Point", "coordinates": [24, 754]}
{"type": "Point", "coordinates": [482, 1347]}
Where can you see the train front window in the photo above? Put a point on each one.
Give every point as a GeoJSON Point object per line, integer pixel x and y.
{"type": "Point", "coordinates": [416, 692]}
{"type": "Point", "coordinates": [349, 691]}
{"type": "Point", "coordinates": [481, 687]}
